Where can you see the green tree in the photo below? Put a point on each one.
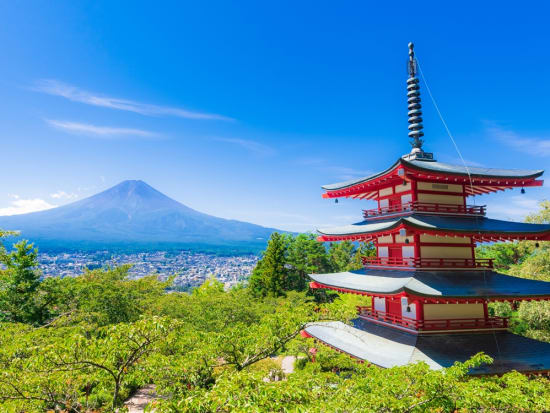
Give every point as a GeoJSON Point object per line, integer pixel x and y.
{"type": "Point", "coordinates": [270, 277]}
{"type": "Point", "coordinates": [210, 286]}
{"type": "Point", "coordinates": [341, 256]}
{"type": "Point", "coordinates": [19, 283]}
{"type": "Point", "coordinates": [61, 368]}
{"type": "Point", "coordinates": [305, 256]}
{"type": "Point", "coordinates": [108, 296]}
{"type": "Point", "coordinates": [505, 254]}
{"type": "Point", "coordinates": [542, 216]}
{"type": "Point", "coordinates": [366, 249]}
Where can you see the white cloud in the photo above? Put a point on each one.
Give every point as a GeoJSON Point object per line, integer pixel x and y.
{"type": "Point", "coordinates": [57, 88]}
{"type": "Point", "coordinates": [515, 207]}
{"type": "Point", "coordinates": [528, 144]}
{"type": "Point", "coordinates": [63, 195]}
{"type": "Point", "coordinates": [252, 146]}
{"type": "Point", "coordinates": [98, 131]}
{"type": "Point", "coordinates": [23, 206]}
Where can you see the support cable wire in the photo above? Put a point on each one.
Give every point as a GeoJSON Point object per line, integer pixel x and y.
{"type": "Point", "coordinates": [467, 171]}
{"type": "Point", "coordinates": [445, 125]}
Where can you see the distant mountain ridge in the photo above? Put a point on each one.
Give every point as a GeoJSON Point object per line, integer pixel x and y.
{"type": "Point", "coordinates": [134, 215]}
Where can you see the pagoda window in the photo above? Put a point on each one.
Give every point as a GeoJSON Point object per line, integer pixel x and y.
{"type": "Point", "coordinates": [445, 252]}
{"type": "Point", "coordinates": [380, 304]}
{"type": "Point", "coordinates": [406, 199]}
{"type": "Point", "coordinates": [426, 238]}
{"type": "Point", "coordinates": [383, 252]}
{"type": "Point", "coordinates": [430, 198]}
{"type": "Point", "coordinates": [453, 311]}
{"type": "Point", "coordinates": [428, 186]}
{"type": "Point", "coordinates": [385, 191]}
{"type": "Point", "coordinates": [407, 251]}
{"type": "Point", "coordinates": [383, 203]}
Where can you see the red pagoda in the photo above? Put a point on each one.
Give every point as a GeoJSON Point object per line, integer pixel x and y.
{"type": "Point", "coordinates": [429, 291]}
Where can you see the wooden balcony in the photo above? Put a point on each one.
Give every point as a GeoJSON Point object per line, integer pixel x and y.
{"type": "Point", "coordinates": [427, 263]}
{"type": "Point", "coordinates": [421, 207]}
{"type": "Point", "coordinates": [433, 325]}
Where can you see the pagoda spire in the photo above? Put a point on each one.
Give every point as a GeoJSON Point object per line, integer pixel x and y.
{"type": "Point", "coordinates": [414, 106]}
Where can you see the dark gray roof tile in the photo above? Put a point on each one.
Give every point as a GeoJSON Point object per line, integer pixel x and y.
{"type": "Point", "coordinates": [438, 222]}
{"type": "Point", "coordinates": [387, 347]}
{"type": "Point", "coordinates": [448, 284]}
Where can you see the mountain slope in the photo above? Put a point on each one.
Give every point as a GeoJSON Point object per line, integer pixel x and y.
{"type": "Point", "coordinates": [134, 214]}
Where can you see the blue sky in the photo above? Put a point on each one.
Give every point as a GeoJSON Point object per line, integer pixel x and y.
{"type": "Point", "coordinates": [244, 111]}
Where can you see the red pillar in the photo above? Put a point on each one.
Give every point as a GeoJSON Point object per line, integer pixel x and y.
{"type": "Point", "coordinates": [416, 238]}
{"type": "Point", "coordinates": [420, 313]}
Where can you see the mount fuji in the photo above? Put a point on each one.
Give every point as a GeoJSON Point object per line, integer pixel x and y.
{"type": "Point", "coordinates": [134, 216]}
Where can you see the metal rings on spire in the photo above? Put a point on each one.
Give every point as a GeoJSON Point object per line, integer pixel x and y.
{"type": "Point", "coordinates": [413, 100]}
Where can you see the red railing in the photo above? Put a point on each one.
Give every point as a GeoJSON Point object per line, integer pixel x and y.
{"type": "Point", "coordinates": [433, 325]}
{"type": "Point", "coordinates": [426, 207]}
{"type": "Point", "coordinates": [428, 262]}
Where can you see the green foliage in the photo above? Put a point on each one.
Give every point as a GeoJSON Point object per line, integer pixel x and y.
{"type": "Point", "coordinates": [74, 368]}
{"type": "Point", "coordinates": [340, 385]}
{"type": "Point", "coordinates": [305, 256]}
{"type": "Point", "coordinates": [505, 255]}
{"type": "Point", "coordinates": [106, 297]}
{"type": "Point", "coordinates": [209, 287]}
{"type": "Point", "coordinates": [19, 283]}
{"type": "Point", "coordinates": [542, 216]}
{"type": "Point", "coordinates": [526, 259]}
{"type": "Point", "coordinates": [341, 256]}
{"type": "Point", "coordinates": [86, 343]}
{"type": "Point", "coordinates": [270, 277]}
{"type": "Point", "coordinates": [288, 260]}
{"type": "Point", "coordinates": [534, 266]}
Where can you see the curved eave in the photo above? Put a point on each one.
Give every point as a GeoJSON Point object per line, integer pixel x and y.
{"type": "Point", "coordinates": [366, 231]}
{"type": "Point", "coordinates": [434, 286]}
{"type": "Point", "coordinates": [489, 180]}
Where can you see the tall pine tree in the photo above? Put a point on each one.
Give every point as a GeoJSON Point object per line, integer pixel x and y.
{"type": "Point", "coordinates": [270, 277]}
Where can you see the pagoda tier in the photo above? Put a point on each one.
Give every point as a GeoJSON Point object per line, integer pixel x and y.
{"type": "Point", "coordinates": [477, 228]}
{"type": "Point", "coordinates": [387, 347]}
{"type": "Point", "coordinates": [407, 173]}
{"type": "Point", "coordinates": [435, 286]}
{"type": "Point", "coordinates": [428, 302]}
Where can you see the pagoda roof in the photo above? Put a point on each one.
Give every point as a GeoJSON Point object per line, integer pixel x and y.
{"type": "Point", "coordinates": [388, 347]}
{"type": "Point", "coordinates": [440, 284]}
{"type": "Point", "coordinates": [445, 169]}
{"type": "Point", "coordinates": [464, 225]}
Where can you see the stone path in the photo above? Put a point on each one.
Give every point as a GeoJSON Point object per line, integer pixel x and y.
{"type": "Point", "coordinates": [287, 365]}
{"type": "Point", "coordinates": [139, 401]}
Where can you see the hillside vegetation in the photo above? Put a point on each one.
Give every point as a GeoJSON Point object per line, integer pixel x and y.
{"type": "Point", "coordinates": [87, 343]}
